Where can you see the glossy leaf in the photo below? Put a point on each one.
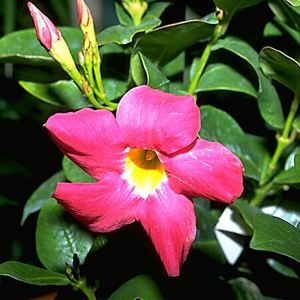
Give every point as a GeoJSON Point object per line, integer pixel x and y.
{"type": "Point", "coordinates": [267, 97]}
{"type": "Point", "coordinates": [296, 124]}
{"type": "Point", "coordinates": [274, 234]}
{"type": "Point", "coordinates": [286, 13]}
{"type": "Point", "coordinates": [281, 68]}
{"type": "Point", "coordinates": [247, 211]}
{"type": "Point", "coordinates": [245, 289]}
{"type": "Point", "coordinates": [217, 125]}
{"type": "Point", "coordinates": [62, 93]}
{"type": "Point", "coordinates": [114, 88]}
{"type": "Point", "coordinates": [140, 287]}
{"type": "Point", "coordinates": [23, 46]}
{"type": "Point", "coordinates": [269, 103]}
{"type": "Point", "coordinates": [41, 195]}
{"type": "Point", "coordinates": [74, 173]}
{"type": "Point", "coordinates": [175, 66]}
{"type": "Point", "coordinates": [232, 6]}
{"type": "Point", "coordinates": [290, 176]}
{"type": "Point", "coordinates": [59, 238]}
{"type": "Point", "coordinates": [145, 72]}
{"type": "Point", "coordinates": [124, 35]}
{"type": "Point", "coordinates": [165, 43]}
{"type": "Point", "coordinates": [123, 16]}
{"type": "Point", "coordinates": [293, 2]}
{"type": "Point", "coordinates": [281, 268]}
{"type": "Point", "coordinates": [219, 76]}
{"type": "Point", "coordinates": [31, 274]}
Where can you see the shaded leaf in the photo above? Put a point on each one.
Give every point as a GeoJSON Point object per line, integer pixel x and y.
{"type": "Point", "coordinates": [157, 8]}
{"type": "Point", "coordinates": [74, 173]}
{"type": "Point", "coordinates": [281, 268]}
{"type": "Point", "coordinates": [175, 66]}
{"type": "Point", "coordinates": [114, 88]}
{"type": "Point", "coordinates": [41, 195]}
{"type": "Point", "coordinates": [31, 274]}
{"type": "Point", "coordinates": [140, 287]}
{"type": "Point", "coordinates": [267, 97]}
{"type": "Point", "coordinates": [23, 46]}
{"type": "Point", "coordinates": [296, 124]}
{"type": "Point", "coordinates": [217, 125]}
{"type": "Point", "coordinates": [62, 93]}
{"type": "Point", "coordinates": [281, 68]}
{"type": "Point", "coordinates": [276, 235]}
{"type": "Point", "coordinates": [232, 6]}
{"type": "Point", "coordinates": [59, 238]}
{"type": "Point", "coordinates": [165, 43]}
{"type": "Point", "coordinates": [245, 289]}
{"type": "Point", "coordinates": [219, 76]}
{"type": "Point", "coordinates": [123, 16]}
{"type": "Point", "coordinates": [150, 74]}
{"type": "Point", "coordinates": [247, 211]}
{"type": "Point", "coordinates": [124, 35]}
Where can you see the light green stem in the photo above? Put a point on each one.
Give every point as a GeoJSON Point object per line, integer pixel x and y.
{"type": "Point", "coordinates": [201, 65]}
{"type": "Point", "coordinates": [283, 140]}
{"type": "Point", "coordinates": [86, 290]}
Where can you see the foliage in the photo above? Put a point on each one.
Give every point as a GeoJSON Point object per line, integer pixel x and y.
{"type": "Point", "coordinates": [246, 82]}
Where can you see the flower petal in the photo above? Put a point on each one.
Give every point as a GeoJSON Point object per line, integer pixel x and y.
{"type": "Point", "coordinates": [205, 169]}
{"type": "Point", "coordinates": [169, 220]}
{"type": "Point", "coordinates": [103, 206]}
{"type": "Point", "coordinates": [155, 120]}
{"type": "Point", "coordinates": [91, 138]}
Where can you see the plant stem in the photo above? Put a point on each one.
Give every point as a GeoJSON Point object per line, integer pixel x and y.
{"type": "Point", "coordinates": [86, 290]}
{"type": "Point", "coordinates": [284, 140]}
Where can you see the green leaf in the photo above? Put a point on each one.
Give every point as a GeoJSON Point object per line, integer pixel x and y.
{"type": "Point", "coordinates": [281, 68]}
{"type": "Point", "coordinates": [245, 289]}
{"type": "Point", "coordinates": [140, 287]}
{"type": "Point", "coordinates": [267, 97]}
{"type": "Point", "coordinates": [247, 211]}
{"type": "Point", "coordinates": [175, 66]}
{"type": "Point", "coordinates": [4, 201]}
{"type": "Point", "coordinates": [124, 35]}
{"type": "Point", "coordinates": [114, 88]}
{"type": "Point", "coordinates": [31, 274]}
{"type": "Point", "coordinates": [217, 125]}
{"type": "Point", "coordinates": [296, 124]}
{"type": "Point", "coordinates": [62, 93]}
{"type": "Point", "coordinates": [98, 243]}
{"type": "Point", "coordinates": [41, 195]}
{"type": "Point", "coordinates": [145, 72]}
{"type": "Point", "coordinates": [23, 46]}
{"type": "Point", "coordinates": [123, 16]}
{"type": "Point", "coordinates": [165, 43]}
{"type": "Point", "coordinates": [290, 176]}
{"type": "Point", "coordinates": [282, 268]}
{"type": "Point", "coordinates": [219, 76]}
{"type": "Point", "coordinates": [293, 2]}
{"type": "Point", "coordinates": [269, 103]}
{"type": "Point", "coordinates": [232, 6]}
{"type": "Point", "coordinates": [74, 173]}
{"type": "Point", "coordinates": [276, 235]}
{"type": "Point", "coordinates": [205, 240]}
{"type": "Point", "coordinates": [59, 238]}
{"type": "Point", "coordinates": [157, 8]}
{"type": "Point", "coordinates": [286, 13]}
{"type": "Point", "coordinates": [290, 161]}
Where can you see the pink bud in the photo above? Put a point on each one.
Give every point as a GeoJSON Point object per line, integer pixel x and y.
{"type": "Point", "coordinates": [46, 31]}
{"type": "Point", "coordinates": [83, 12]}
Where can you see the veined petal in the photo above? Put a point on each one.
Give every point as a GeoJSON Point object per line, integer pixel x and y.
{"type": "Point", "coordinates": [169, 220]}
{"type": "Point", "coordinates": [205, 169]}
{"type": "Point", "coordinates": [103, 206]}
{"type": "Point", "coordinates": [155, 120]}
{"type": "Point", "coordinates": [91, 138]}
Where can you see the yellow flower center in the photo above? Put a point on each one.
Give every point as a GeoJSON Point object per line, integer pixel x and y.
{"type": "Point", "coordinates": [143, 170]}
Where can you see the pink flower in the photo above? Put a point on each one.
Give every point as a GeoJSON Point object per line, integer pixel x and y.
{"type": "Point", "coordinates": [46, 31]}
{"type": "Point", "coordinates": [149, 163]}
{"type": "Point", "coordinates": [84, 14]}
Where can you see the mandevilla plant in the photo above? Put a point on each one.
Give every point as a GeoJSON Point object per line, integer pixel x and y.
{"type": "Point", "coordinates": [180, 151]}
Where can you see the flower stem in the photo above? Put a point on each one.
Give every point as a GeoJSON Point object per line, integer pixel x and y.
{"type": "Point", "coordinates": [284, 140]}
{"type": "Point", "coordinates": [201, 65]}
{"type": "Point", "coordinates": [86, 290]}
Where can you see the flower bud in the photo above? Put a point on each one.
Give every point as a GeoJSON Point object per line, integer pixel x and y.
{"type": "Point", "coordinates": [136, 9]}
{"type": "Point", "coordinates": [51, 38]}
{"type": "Point", "coordinates": [46, 31]}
